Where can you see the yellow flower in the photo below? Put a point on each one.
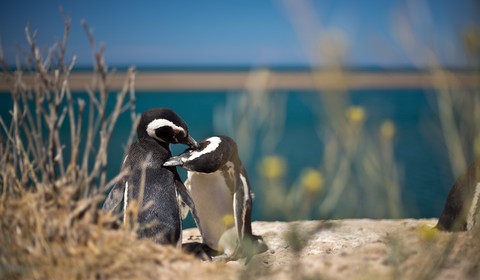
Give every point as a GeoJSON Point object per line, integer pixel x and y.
{"type": "Point", "coordinates": [355, 114]}
{"type": "Point", "coordinates": [312, 180]}
{"type": "Point", "coordinates": [387, 129]}
{"type": "Point", "coordinates": [471, 40]}
{"type": "Point", "coordinates": [272, 167]}
{"type": "Point", "coordinates": [228, 220]}
{"type": "Point", "coordinates": [428, 233]}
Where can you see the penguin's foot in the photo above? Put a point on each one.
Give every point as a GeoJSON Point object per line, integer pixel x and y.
{"type": "Point", "coordinates": [222, 258]}
{"type": "Point", "coordinates": [199, 250]}
{"type": "Point", "coordinates": [251, 246]}
{"type": "Point", "coordinates": [259, 244]}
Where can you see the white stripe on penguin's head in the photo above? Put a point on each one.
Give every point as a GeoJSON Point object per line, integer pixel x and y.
{"type": "Point", "coordinates": [213, 143]}
{"type": "Point", "coordinates": [158, 123]}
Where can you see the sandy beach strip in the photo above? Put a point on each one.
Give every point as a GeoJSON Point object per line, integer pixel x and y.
{"type": "Point", "coordinates": [278, 80]}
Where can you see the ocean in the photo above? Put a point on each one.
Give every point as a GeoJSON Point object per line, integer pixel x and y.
{"type": "Point", "coordinates": [419, 149]}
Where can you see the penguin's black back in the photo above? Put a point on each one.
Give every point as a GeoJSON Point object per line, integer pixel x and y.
{"type": "Point", "coordinates": [161, 219]}
{"type": "Point", "coordinates": [216, 160]}
{"type": "Point", "coordinates": [460, 200]}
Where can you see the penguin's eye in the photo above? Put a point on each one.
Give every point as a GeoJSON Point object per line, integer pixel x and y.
{"type": "Point", "coordinates": [163, 133]}
{"type": "Point", "coordinates": [180, 133]}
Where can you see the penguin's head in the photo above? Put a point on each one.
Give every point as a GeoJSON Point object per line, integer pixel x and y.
{"type": "Point", "coordinates": [212, 153]}
{"type": "Point", "coordinates": [165, 126]}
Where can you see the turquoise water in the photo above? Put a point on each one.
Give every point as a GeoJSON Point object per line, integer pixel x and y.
{"type": "Point", "coordinates": [419, 149]}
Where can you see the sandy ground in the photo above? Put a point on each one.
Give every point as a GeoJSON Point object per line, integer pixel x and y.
{"type": "Point", "coordinates": [360, 249]}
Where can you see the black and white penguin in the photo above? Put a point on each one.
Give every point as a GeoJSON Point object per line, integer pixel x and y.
{"type": "Point", "coordinates": [219, 187]}
{"type": "Point", "coordinates": [157, 186]}
{"type": "Point", "coordinates": [462, 208]}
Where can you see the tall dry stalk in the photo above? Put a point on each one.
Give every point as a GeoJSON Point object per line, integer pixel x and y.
{"type": "Point", "coordinates": [52, 182]}
{"type": "Point", "coordinates": [35, 147]}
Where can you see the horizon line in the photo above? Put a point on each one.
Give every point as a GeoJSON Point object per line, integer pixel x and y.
{"type": "Point", "coordinates": [270, 79]}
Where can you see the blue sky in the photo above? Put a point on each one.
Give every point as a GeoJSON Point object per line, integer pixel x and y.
{"type": "Point", "coordinates": [250, 33]}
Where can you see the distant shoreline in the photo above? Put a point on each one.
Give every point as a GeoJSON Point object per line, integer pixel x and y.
{"type": "Point", "coordinates": [218, 80]}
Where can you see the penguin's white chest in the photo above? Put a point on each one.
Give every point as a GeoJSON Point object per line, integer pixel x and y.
{"type": "Point", "coordinates": [214, 203]}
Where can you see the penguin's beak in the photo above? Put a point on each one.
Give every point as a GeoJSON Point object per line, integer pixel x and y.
{"type": "Point", "coordinates": [174, 161]}
{"type": "Point", "coordinates": [192, 143]}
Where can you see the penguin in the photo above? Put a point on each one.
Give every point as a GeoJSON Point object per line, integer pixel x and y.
{"type": "Point", "coordinates": [147, 179]}
{"type": "Point", "coordinates": [462, 208]}
{"type": "Point", "coordinates": [219, 186]}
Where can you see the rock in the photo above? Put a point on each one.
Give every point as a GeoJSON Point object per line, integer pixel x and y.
{"type": "Point", "coordinates": [362, 248]}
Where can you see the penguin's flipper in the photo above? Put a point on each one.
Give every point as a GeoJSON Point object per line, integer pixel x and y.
{"type": "Point", "coordinates": [242, 205]}
{"type": "Point", "coordinates": [184, 209]}
{"type": "Point", "coordinates": [175, 161]}
{"type": "Point", "coordinates": [249, 244]}
{"type": "Point", "coordinates": [115, 195]}
{"type": "Point", "coordinates": [187, 199]}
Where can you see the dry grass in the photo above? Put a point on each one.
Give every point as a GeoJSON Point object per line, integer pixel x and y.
{"type": "Point", "coordinates": [51, 226]}
{"type": "Point", "coordinates": [52, 236]}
